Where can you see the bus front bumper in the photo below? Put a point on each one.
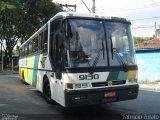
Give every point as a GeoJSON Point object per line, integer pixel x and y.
{"type": "Point", "coordinates": [100, 95]}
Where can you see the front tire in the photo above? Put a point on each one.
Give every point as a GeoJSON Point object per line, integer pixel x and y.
{"type": "Point", "coordinates": [47, 92]}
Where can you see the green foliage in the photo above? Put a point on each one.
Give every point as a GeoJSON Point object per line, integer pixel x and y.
{"type": "Point", "coordinates": [36, 14]}
{"type": "Point", "coordinates": [138, 40]}
{"type": "Point", "coordinates": [19, 19]}
{"type": "Point", "coordinates": [16, 51]}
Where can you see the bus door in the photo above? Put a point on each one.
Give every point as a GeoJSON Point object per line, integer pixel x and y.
{"type": "Point", "coordinates": [58, 83]}
{"type": "Point", "coordinates": [56, 59]}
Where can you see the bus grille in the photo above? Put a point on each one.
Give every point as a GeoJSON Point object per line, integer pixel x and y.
{"type": "Point", "coordinates": [100, 84]}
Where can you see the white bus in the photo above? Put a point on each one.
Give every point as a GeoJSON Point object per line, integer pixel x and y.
{"type": "Point", "coordinates": [81, 59]}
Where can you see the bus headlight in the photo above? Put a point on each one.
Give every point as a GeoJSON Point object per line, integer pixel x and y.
{"type": "Point", "coordinates": [132, 81]}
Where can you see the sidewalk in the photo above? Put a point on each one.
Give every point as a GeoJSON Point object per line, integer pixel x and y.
{"type": "Point", "coordinates": [154, 86]}
{"type": "Point", "coordinates": [8, 72]}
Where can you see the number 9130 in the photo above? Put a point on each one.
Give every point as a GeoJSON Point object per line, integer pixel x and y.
{"type": "Point", "coordinates": [88, 77]}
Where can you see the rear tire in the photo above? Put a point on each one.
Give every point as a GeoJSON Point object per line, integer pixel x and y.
{"type": "Point", "coordinates": [47, 92]}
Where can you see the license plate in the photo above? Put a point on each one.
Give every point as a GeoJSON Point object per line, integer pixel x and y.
{"type": "Point", "coordinates": [110, 94]}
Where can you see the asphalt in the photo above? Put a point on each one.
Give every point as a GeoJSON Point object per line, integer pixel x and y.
{"type": "Point", "coordinates": [8, 72]}
{"type": "Point", "coordinates": [26, 103]}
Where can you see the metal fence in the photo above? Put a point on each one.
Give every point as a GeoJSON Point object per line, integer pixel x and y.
{"type": "Point", "coordinates": [11, 65]}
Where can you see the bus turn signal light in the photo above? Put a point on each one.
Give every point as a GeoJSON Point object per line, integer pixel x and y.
{"type": "Point", "coordinates": [69, 86]}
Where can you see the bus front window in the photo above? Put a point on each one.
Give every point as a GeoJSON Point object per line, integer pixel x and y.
{"type": "Point", "coordinates": [120, 43]}
{"type": "Point", "coordinates": [85, 44]}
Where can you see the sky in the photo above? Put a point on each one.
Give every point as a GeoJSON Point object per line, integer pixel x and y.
{"type": "Point", "coordinates": [134, 10]}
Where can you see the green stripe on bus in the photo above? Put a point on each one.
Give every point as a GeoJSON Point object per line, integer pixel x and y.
{"type": "Point", "coordinates": [36, 61]}
{"type": "Point", "coordinates": [112, 76]}
{"type": "Point", "coordinates": [122, 75]}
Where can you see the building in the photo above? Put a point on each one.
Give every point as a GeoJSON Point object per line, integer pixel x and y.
{"type": "Point", "coordinates": [149, 44]}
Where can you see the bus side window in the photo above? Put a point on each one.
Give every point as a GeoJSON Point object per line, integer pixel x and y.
{"type": "Point", "coordinates": [40, 41]}
{"type": "Point", "coordinates": [44, 41]}
{"type": "Point", "coordinates": [36, 44]}
{"type": "Point", "coordinates": [45, 36]}
{"type": "Point", "coordinates": [30, 47]}
{"type": "Point", "coordinates": [26, 49]}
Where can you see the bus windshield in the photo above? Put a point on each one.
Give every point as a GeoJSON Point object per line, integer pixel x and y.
{"type": "Point", "coordinates": [120, 43]}
{"type": "Point", "coordinates": [85, 45]}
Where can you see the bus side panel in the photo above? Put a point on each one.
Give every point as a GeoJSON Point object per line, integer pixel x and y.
{"type": "Point", "coordinates": [30, 73]}
{"type": "Point", "coordinates": [29, 69]}
{"type": "Point", "coordinates": [35, 66]}
{"type": "Point", "coordinates": [23, 70]}
{"type": "Point", "coordinates": [40, 73]}
{"type": "Point", "coordinates": [39, 83]}
{"type": "Point", "coordinates": [26, 74]}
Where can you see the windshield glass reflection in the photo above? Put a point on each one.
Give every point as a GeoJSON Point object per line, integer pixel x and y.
{"type": "Point", "coordinates": [121, 44]}
{"type": "Point", "coordinates": [85, 44]}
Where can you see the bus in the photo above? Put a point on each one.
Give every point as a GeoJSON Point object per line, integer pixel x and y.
{"type": "Point", "coordinates": [80, 59]}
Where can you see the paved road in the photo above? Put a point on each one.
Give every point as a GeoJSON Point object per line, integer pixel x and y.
{"type": "Point", "coordinates": [24, 102]}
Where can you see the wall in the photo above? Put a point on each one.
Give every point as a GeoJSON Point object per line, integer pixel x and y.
{"type": "Point", "coordinates": [148, 65]}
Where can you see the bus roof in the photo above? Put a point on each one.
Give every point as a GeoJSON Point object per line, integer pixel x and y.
{"type": "Point", "coordinates": [75, 14]}
{"type": "Point", "coordinates": [86, 15]}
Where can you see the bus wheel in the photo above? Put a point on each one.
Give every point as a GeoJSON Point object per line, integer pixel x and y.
{"type": "Point", "coordinates": [47, 92]}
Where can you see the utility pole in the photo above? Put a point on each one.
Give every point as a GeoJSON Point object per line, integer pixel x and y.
{"type": "Point", "coordinates": [2, 62]}
{"type": "Point", "coordinates": [93, 6]}
{"type": "Point", "coordinates": [12, 63]}
{"type": "Point", "coordinates": [69, 7]}
{"type": "Point", "coordinates": [155, 29]}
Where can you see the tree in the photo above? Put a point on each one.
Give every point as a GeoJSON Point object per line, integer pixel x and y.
{"type": "Point", "coordinates": [138, 40]}
{"type": "Point", "coordinates": [36, 14]}
{"type": "Point", "coordinates": [8, 27]}
{"type": "Point", "coordinates": [19, 19]}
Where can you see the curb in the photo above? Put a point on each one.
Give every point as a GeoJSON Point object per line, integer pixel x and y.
{"type": "Point", "coordinates": [8, 73]}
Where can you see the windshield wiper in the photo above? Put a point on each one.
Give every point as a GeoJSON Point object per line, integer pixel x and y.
{"type": "Point", "coordinates": [95, 61]}
{"type": "Point", "coordinates": [120, 59]}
